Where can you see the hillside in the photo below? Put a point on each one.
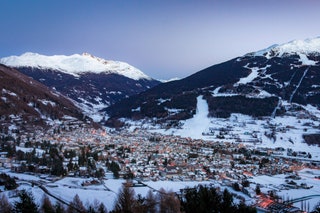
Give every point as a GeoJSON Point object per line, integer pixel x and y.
{"type": "Point", "coordinates": [27, 105]}
{"type": "Point", "coordinates": [94, 83]}
{"type": "Point", "coordinates": [256, 84]}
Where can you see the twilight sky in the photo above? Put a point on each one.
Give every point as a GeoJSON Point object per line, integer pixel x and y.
{"type": "Point", "coordinates": [164, 39]}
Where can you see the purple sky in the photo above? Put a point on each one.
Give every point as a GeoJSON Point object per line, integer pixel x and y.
{"type": "Point", "coordinates": [165, 38]}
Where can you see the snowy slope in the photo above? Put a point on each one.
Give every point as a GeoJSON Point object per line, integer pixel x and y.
{"type": "Point", "coordinates": [302, 47]}
{"type": "Point", "coordinates": [288, 134]}
{"type": "Point", "coordinates": [74, 64]}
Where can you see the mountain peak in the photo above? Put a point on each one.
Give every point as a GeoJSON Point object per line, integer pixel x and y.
{"type": "Point", "coordinates": [75, 64]}
{"type": "Point", "coordinates": [307, 46]}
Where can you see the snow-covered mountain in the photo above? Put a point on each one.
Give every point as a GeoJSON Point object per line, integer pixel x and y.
{"type": "Point", "coordinates": [269, 98]}
{"type": "Point", "coordinates": [74, 64]}
{"type": "Point", "coordinates": [300, 47]}
{"type": "Point", "coordinates": [92, 82]}
{"type": "Point", "coordinates": [256, 84]}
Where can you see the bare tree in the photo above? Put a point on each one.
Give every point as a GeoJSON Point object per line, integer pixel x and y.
{"type": "Point", "coordinates": [168, 201]}
{"type": "Point", "coordinates": [59, 208]}
{"type": "Point", "coordinates": [5, 206]}
{"type": "Point", "coordinates": [76, 205]}
{"type": "Point", "coordinates": [97, 207]}
{"type": "Point", "coordinates": [47, 206]}
{"type": "Point", "coordinates": [151, 202]}
{"type": "Point", "coordinates": [126, 201]}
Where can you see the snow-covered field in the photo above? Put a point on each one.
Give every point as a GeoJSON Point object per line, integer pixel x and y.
{"type": "Point", "coordinates": [107, 192]}
{"type": "Point", "coordinates": [288, 129]}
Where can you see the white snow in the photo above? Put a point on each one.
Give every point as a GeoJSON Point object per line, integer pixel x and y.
{"type": "Point", "coordinates": [254, 73]}
{"type": "Point", "coordinates": [74, 64]}
{"type": "Point", "coordinates": [289, 129]}
{"type": "Point", "coordinates": [297, 46]}
{"type": "Point", "coordinates": [195, 126]}
{"type": "Point", "coordinates": [39, 152]}
{"type": "Point", "coordinates": [171, 79]}
{"type": "Point", "coordinates": [216, 91]}
{"type": "Point", "coordinates": [306, 61]}
{"type": "Point", "coordinates": [46, 102]}
{"type": "Point", "coordinates": [4, 91]}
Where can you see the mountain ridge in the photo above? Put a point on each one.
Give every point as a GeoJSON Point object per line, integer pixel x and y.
{"type": "Point", "coordinates": [255, 84]}
{"type": "Point", "coordinates": [93, 83]}
{"type": "Point", "coordinates": [29, 105]}
{"type": "Point", "coordinates": [75, 64]}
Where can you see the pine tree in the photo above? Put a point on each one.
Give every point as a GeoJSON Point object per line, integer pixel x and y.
{"type": "Point", "coordinates": [258, 190]}
{"type": "Point", "coordinates": [26, 204]}
{"type": "Point", "coordinates": [5, 206]}
{"type": "Point", "coordinates": [227, 202]}
{"type": "Point", "coordinates": [243, 208]}
{"type": "Point", "coordinates": [317, 208]}
{"type": "Point", "coordinates": [201, 199]}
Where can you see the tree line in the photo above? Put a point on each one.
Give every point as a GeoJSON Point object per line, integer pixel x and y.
{"type": "Point", "coordinates": [197, 199]}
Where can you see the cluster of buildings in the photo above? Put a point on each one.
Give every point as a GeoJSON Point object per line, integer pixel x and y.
{"type": "Point", "coordinates": [152, 156]}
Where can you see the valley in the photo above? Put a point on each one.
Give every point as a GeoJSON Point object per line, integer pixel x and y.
{"type": "Point", "coordinates": [226, 153]}
{"type": "Point", "coordinates": [81, 125]}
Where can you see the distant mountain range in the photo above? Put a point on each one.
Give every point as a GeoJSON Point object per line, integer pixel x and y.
{"type": "Point", "coordinates": [92, 82]}
{"type": "Point", "coordinates": [268, 82]}
{"type": "Point", "coordinates": [263, 83]}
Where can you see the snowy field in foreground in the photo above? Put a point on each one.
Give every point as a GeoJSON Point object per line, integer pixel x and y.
{"type": "Point", "coordinates": [107, 192]}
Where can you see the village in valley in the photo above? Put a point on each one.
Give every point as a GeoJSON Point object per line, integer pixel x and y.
{"type": "Point", "coordinates": [80, 158]}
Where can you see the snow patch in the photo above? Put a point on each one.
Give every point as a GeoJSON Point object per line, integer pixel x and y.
{"type": "Point", "coordinates": [195, 126]}
{"type": "Point", "coordinates": [4, 91]}
{"type": "Point", "coordinates": [171, 79]}
{"type": "Point", "coordinates": [306, 61]}
{"type": "Point", "coordinates": [254, 74]}
{"type": "Point", "coordinates": [46, 102]}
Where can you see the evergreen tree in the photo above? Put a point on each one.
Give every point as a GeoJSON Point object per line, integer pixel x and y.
{"type": "Point", "coordinates": [114, 167]}
{"type": "Point", "coordinates": [227, 202]}
{"type": "Point", "coordinates": [26, 204]}
{"type": "Point", "coordinates": [201, 199]}
{"type": "Point", "coordinates": [9, 182]}
{"type": "Point", "coordinates": [236, 186]}
{"type": "Point", "coordinates": [258, 190]}
{"type": "Point", "coordinates": [317, 208]}
{"type": "Point", "coordinates": [243, 208]}
{"type": "Point", "coordinates": [5, 206]}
